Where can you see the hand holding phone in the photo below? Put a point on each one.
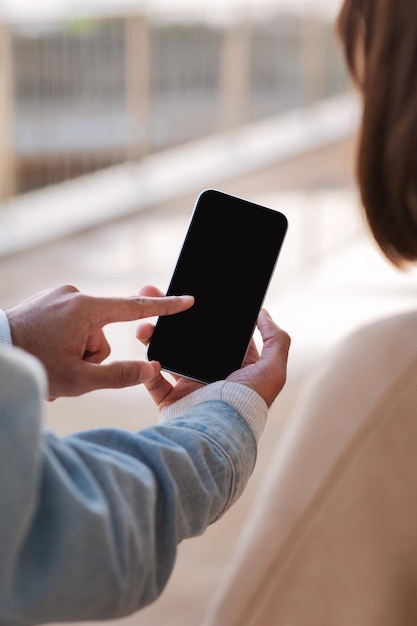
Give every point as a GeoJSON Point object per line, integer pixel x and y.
{"type": "Point", "coordinates": [264, 372]}
{"type": "Point", "coordinates": [226, 262]}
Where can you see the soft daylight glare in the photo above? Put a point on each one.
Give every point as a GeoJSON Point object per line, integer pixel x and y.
{"type": "Point", "coordinates": [27, 9]}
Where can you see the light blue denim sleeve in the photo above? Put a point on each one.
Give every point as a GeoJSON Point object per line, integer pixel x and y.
{"type": "Point", "coordinates": [89, 524]}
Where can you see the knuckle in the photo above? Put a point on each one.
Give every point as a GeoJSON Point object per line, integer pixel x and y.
{"type": "Point", "coordinates": [123, 375]}
{"type": "Point", "coordinates": [67, 288]}
{"type": "Point", "coordinates": [286, 338]}
{"type": "Point", "coordinates": [143, 302]}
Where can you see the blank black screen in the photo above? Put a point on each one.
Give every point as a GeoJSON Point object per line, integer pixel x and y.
{"type": "Point", "coordinates": [226, 263]}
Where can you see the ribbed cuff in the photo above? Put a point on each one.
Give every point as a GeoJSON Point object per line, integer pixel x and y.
{"type": "Point", "coordinates": [5, 333]}
{"type": "Point", "coordinates": [245, 401]}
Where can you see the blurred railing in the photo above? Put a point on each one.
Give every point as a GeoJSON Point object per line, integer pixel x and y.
{"type": "Point", "coordinates": [80, 95]}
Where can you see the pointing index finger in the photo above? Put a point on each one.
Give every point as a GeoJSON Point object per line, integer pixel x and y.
{"type": "Point", "coordinates": [137, 307]}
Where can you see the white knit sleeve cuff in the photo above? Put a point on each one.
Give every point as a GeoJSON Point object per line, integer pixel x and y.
{"type": "Point", "coordinates": [5, 333]}
{"type": "Point", "coordinates": [245, 401]}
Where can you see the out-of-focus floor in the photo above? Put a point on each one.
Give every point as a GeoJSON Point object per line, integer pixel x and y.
{"type": "Point", "coordinates": [329, 279]}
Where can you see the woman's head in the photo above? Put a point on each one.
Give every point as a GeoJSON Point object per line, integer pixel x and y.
{"type": "Point", "coordinates": [379, 39]}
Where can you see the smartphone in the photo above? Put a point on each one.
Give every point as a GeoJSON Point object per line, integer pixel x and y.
{"type": "Point", "coordinates": [226, 262]}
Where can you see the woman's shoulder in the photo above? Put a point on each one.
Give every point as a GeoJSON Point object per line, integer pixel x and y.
{"type": "Point", "coordinates": [365, 365]}
{"type": "Point", "coordinates": [385, 344]}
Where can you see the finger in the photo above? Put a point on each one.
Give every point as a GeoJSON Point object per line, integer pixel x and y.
{"type": "Point", "coordinates": [267, 376]}
{"type": "Point", "coordinates": [115, 375]}
{"type": "Point", "coordinates": [269, 329]}
{"type": "Point", "coordinates": [159, 388]}
{"type": "Point", "coordinates": [252, 355]}
{"type": "Point", "coordinates": [151, 291]}
{"type": "Point", "coordinates": [136, 307]}
{"type": "Point", "coordinates": [276, 342]}
{"type": "Point", "coordinates": [144, 333]}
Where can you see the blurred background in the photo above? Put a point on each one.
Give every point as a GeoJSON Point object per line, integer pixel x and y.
{"type": "Point", "coordinates": [85, 89]}
{"type": "Point", "coordinates": [114, 117]}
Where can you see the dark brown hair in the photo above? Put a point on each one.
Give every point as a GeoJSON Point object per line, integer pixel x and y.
{"type": "Point", "coordinates": [379, 39]}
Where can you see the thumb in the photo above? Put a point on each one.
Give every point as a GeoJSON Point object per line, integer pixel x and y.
{"type": "Point", "coordinates": [118, 374]}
